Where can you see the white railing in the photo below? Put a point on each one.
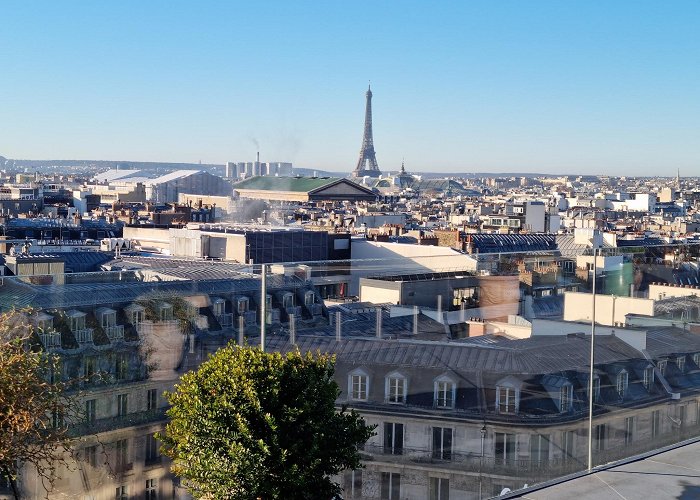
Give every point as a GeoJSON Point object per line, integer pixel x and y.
{"type": "Point", "coordinates": [225, 319]}
{"type": "Point", "coordinates": [114, 332]}
{"type": "Point", "coordinates": [83, 336]}
{"type": "Point", "coordinates": [50, 340]}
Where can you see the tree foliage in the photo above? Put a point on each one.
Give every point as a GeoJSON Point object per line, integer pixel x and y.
{"type": "Point", "coordinates": [32, 403]}
{"type": "Point", "coordinates": [249, 425]}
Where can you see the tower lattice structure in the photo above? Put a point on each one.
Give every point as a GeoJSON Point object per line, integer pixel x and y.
{"type": "Point", "coordinates": [367, 164]}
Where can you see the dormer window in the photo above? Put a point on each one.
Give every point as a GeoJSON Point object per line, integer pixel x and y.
{"type": "Point", "coordinates": [680, 363]}
{"type": "Point", "coordinates": [648, 377]}
{"type": "Point", "coordinates": [508, 395]}
{"type": "Point", "coordinates": [566, 398]}
{"type": "Point", "coordinates": [622, 383]}
{"type": "Point", "coordinates": [662, 366]}
{"type": "Point", "coordinates": [242, 305]}
{"type": "Point", "coordinates": [445, 391]}
{"type": "Point", "coordinates": [395, 388]}
{"type": "Point", "coordinates": [506, 400]}
{"type": "Point", "coordinates": [358, 385]}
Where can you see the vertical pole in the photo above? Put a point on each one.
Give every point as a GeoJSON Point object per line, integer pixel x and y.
{"type": "Point", "coordinates": [292, 329]}
{"type": "Point", "coordinates": [481, 461]}
{"type": "Point", "coordinates": [263, 305]}
{"type": "Point", "coordinates": [338, 326]}
{"type": "Point", "coordinates": [462, 311]}
{"type": "Point", "coordinates": [241, 329]}
{"type": "Point", "coordinates": [439, 308]}
{"type": "Point", "coordinates": [379, 322]}
{"type": "Point", "coordinates": [415, 320]}
{"type": "Point", "coordinates": [591, 374]}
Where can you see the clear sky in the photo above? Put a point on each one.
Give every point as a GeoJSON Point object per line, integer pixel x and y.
{"type": "Point", "coordinates": [557, 87]}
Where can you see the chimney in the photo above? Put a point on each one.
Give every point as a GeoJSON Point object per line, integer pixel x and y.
{"type": "Point", "coordinates": [258, 157]}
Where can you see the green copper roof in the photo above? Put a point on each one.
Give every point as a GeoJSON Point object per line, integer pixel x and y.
{"type": "Point", "coordinates": [296, 184]}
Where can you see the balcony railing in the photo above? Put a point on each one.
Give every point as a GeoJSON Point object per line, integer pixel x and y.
{"type": "Point", "coordinates": [148, 327]}
{"type": "Point", "coordinates": [121, 422]}
{"type": "Point", "coordinates": [84, 335]}
{"type": "Point", "coordinates": [115, 332]}
{"type": "Point", "coordinates": [50, 340]}
{"type": "Point", "coordinates": [225, 320]}
{"type": "Point", "coordinates": [532, 470]}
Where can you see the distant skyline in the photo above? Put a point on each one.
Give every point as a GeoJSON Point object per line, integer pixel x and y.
{"type": "Point", "coordinates": [539, 86]}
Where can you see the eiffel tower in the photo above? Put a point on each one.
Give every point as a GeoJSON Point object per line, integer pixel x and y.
{"type": "Point", "coordinates": [367, 164]}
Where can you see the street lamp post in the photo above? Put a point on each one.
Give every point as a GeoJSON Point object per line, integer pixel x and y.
{"type": "Point", "coordinates": [590, 376]}
{"type": "Point", "coordinates": [481, 460]}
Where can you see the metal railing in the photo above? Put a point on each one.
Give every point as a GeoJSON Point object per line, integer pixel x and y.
{"type": "Point", "coordinates": [84, 335]}
{"type": "Point", "coordinates": [118, 422]}
{"type": "Point", "coordinates": [115, 332]}
{"type": "Point", "coordinates": [225, 320]}
{"type": "Point", "coordinates": [50, 340]}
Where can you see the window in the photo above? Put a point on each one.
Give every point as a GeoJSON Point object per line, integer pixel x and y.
{"type": "Point", "coordinates": [567, 445]}
{"type": "Point", "coordinates": [151, 489]}
{"type": "Point", "coordinates": [90, 410]}
{"type": "Point", "coordinates": [629, 430]}
{"type": "Point", "coordinates": [599, 435]}
{"type": "Point", "coordinates": [393, 438]}
{"type": "Point", "coordinates": [680, 363]}
{"type": "Point", "coordinates": [353, 483]}
{"type": "Point", "coordinates": [358, 387]}
{"type": "Point", "coordinates": [121, 455]}
{"type": "Point", "coordinates": [439, 488]}
{"type": "Point", "coordinates": [662, 366]}
{"type": "Point", "coordinates": [504, 448]}
{"type": "Point", "coordinates": [152, 449]}
{"type": "Point", "coordinates": [682, 414]}
{"type": "Point", "coordinates": [696, 405]}
{"type": "Point", "coordinates": [89, 367]}
{"type": "Point", "coordinates": [505, 400]}
{"type": "Point", "coordinates": [696, 359]}
{"type": "Point", "coordinates": [391, 486]}
{"type": "Point", "coordinates": [566, 398]}
{"type": "Point", "coordinates": [90, 455]}
{"type": "Point", "coordinates": [442, 443]}
{"type": "Point", "coordinates": [622, 381]}
{"type": "Point", "coordinates": [122, 405]}
{"type": "Point", "coordinates": [655, 423]}
{"type": "Point", "coordinates": [151, 399]}
{"type": "Point", "coordinates": [57, 419]}
{"type": "Point", "coordinates": [121, 366]}
{"type": "Point", "coordinates": [444, 393]}
{"type": "Point", "coordinates": [539, 449]}
{"type": "Point", "coordinates": [122, 493]}
{"type": "Point", "coordinates": [648, 377]}
{"type": "Point", "coordinates": [396, 389]}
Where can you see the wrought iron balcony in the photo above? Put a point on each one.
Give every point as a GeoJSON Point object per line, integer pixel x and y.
{"type": "Point", "coordinates": [120, 422]}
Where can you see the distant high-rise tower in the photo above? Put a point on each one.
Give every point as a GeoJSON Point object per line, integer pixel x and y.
{"type": "Point", "coordinates": [367, 164]}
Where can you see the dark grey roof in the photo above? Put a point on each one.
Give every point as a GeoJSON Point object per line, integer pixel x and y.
{"type": "Point", "coordinates": [536, 355]}
{"type": "Point", "coordinates": [670, 340]}
{"type": "Point", "coordinates": [495, 243]}
{"type": "Point", "coordinates": [93, 289]}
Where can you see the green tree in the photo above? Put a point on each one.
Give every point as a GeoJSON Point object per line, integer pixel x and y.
{"type": "Point", "coordinates": [254, 425]}
{"type": "Point", "coordinates": [33, 404]}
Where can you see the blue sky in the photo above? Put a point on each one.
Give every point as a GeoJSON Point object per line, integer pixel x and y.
{"type": "Point", "coordinates": [556, 87]}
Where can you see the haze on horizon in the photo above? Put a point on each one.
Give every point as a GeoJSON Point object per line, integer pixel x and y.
{"type": "Point", "coordinates": [541, 86]}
